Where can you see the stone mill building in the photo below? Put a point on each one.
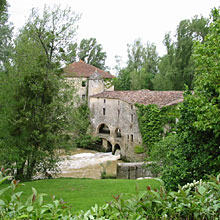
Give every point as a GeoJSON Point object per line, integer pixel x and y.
{"type": "Point", "coordinates": [113, 113]}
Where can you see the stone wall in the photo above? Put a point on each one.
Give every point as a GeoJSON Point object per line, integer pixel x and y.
{"type": "Point", "coordinates": [117, 114]}
{"type": "Point", "coordinates": [132, 171]}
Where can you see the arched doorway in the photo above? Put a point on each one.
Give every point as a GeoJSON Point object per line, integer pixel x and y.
{"type": "Point", "coordinates": [103, 129]}
{"type": "Point", "coordinates": [117, 150]}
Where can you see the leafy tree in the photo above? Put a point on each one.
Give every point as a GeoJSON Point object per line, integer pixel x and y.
{"type": "Point", "coordinates": [141, 67]}
{"type": "Point", "coordinates": [176, 67]}
{"type": "Point", "coordinates": [197, 153]}
{"type": "Point", "coordinates": [88, 51]}
{"type": "Point", "coordinates": [5, 36]}
{"type": "Point", "coordinates": [91, 52]}
{"type": "Point", "coordinates": [81, 128]}
{"type": "Point", "coordinates": [36, 112]}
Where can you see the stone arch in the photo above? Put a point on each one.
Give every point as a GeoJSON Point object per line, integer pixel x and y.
{"type": "Point", "coordinates": [109, 147]}
{"type": "Point", "coordinates": [117, 148]}
{"type": "Point", "coordinates": [103, 129]}
{"type": "Point", "coordinates": [118, 133]}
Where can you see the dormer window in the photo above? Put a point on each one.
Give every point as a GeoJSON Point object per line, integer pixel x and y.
{"type": "Point", "coordinates": [83, 83]}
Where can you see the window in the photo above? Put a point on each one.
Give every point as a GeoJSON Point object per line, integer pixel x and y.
{"type": "Point", "coordinates": [118, 113]}
{"type": "Point", "coordinates": [83, 83]}
{"type": "Point", "coordinates": [132, 118]}
{"type": "Point", "coordinates": [83, 97]}
{"type": "Point", "coordinates": [132, 137]}
{"type": "Point", "coordinates": [104, 101]}
{"type": "Point", "coordinates": [103, 111]}
{"type": "Point", "coordinates": [128, 137]}
{"type": "Point", "coordinates": [131, 107]}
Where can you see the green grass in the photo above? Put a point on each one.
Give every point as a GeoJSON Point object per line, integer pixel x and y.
{"type": "Point", "coordinates": [81, 194]}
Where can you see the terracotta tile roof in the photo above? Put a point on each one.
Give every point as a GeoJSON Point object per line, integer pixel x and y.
{"type": "Point", "coordinates": [82, 69]}
{"type": "Point", "coordinates": [146, 97]}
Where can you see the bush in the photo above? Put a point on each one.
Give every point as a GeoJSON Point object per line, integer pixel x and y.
{"type": "Point", "coordinates": [197, 200]}
{"type": "Point", "coordinates": [139, 149]}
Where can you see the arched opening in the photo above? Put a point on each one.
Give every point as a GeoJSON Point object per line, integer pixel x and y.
{"type": "Point", "coordinates": [109, 147]}
{"type": "Point", "coordinates": [118, 132]}
{"type": "Point", "coordinates": [117, 150]}
{"type": "Point", "coordinates": [103, 129]}
{"type": "Point", "coordinates": [106, 145]}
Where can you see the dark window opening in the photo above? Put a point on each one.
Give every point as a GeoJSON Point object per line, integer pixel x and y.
{"type": "Point", "coordinates": [131, 107]}
{"type": "Point", "coordinates": [104, 129]}
{"type": "Point", "coordinates": [83, 83]}
{"type": "Point", "coordinates": [104, 101]}
{"type": "Point", "coordinates": [103, 111]}
{"type": "Point", "coordinates": [132, 138]}
{"type": "Point", "coordinates": [83, 97]}
{"type": "Point", "coordinates": [128, 137]}
{"type": "Point", "coordinates": [132, 118]}
{"type": "Point", "coordinates": [118, 132]}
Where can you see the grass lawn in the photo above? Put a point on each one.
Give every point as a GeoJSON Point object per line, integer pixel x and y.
{"type": "Point", "coordinates": [81, 194]}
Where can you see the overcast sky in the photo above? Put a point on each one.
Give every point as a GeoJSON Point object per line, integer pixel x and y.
{"type": "Point", "coordinates": [116, 23]}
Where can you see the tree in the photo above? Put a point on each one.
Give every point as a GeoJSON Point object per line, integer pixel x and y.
{"type": "Point", "coordinates": [176, 67]}
{"type": "Point", "coordinates": [36, 112]}
{"type": "Point", "coordinates": [197, 153]}
{"type": "Point", "coordinates": [88, 51]}
{"type": "Point", "coordinates": [91, 52]}
{"type": "Point", "coordinates": [5, 36]}
{"type": "Point", "coordinates": [141, 67]}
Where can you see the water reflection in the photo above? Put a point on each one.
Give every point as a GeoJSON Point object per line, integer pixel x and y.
{"type": "Point", "coordinates": [86, 164]}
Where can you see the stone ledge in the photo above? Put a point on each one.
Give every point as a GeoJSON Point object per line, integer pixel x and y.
{"type": "Point", "coordinates": [132, 171]}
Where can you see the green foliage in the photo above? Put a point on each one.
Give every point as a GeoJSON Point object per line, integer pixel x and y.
{"type": "Point", "coordinates": [81, 127]}
{"type": "Point", "coordinates": [88, 51]}
{"type": "Point", "coordinates": [141, 67]}
{"type": "Point", "coordinates": [139, 149]}
{"type": "Point", "coordinates": [197, 200]}
{"type": "Point", "coordinates": [91, 52]}
{"type": "Point", "coordinates": [193, 201]}
{"type": "Point", "coordinates": [176, 68]}
{"type": "Point", "coordinates": [197, 152]}
{"type": "Point", "coordinates": [152, 120]}
{"type": "Point", "coordinates": [5, 37]}
{"type": "Point", "coordinates": [35, 118]}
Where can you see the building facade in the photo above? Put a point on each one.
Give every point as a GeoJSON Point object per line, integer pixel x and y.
{"type": "Point", "coordinates": [113, 113]}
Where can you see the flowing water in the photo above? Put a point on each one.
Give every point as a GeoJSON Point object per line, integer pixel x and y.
{"type": "Point", "coordinates": [84, 163]}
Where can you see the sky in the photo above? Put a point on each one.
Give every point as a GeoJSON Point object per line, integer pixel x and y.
{"type": "Point", "coordinates": [116, 23]}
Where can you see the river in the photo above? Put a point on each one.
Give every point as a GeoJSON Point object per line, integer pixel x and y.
{"type": "Point", "coordinates": [84, 163]}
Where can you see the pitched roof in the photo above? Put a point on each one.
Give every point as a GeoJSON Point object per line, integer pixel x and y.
{"type": "Point", "coordinates": [145, 97]}
{"type": "Point", "coordinates": [82, 69]}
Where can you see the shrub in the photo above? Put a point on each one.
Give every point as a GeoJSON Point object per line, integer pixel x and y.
{"type": "Point", "coordinates": [139, 149]}
{"type": "Point", "coordinates": [198, 200]}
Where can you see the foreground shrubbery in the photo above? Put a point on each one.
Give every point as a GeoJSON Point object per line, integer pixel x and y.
{"type": "Point", "coordinates": [198, 200]}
